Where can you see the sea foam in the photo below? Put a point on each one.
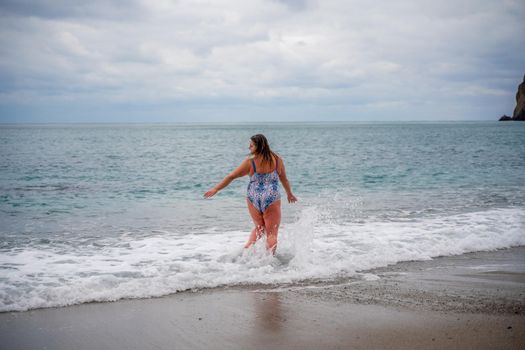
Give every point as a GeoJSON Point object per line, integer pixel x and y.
{"type": "Point", "coordinates": [311, 247]}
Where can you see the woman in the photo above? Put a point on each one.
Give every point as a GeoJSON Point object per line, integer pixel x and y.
{"type": "Point", "coordinates": [264, 200]}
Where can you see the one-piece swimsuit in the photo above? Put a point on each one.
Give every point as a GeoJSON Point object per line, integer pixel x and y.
{"type": "Point", "coordinates": [263, 189]}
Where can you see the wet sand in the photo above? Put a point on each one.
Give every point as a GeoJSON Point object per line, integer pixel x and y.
{"type": "Point", "coordinates": [472, 301]}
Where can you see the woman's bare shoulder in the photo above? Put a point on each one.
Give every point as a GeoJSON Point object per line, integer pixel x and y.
{"type": "Point", "coordinates": [280, 165]}
{"type": "Point", "coordinates": [247, 161]}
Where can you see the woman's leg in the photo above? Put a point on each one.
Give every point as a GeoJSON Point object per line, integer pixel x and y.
{"type": "Point", "coordinates": [254, 236]}
{"type": "Point", "coordinates": [272, 220]}
{"type": "Point", "coordinates": [258, 221]}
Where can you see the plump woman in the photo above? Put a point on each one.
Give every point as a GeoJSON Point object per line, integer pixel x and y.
{"type": "Point", "coordinates": [265, 169]}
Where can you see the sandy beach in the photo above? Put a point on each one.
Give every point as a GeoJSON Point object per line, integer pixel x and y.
{"type": "Point", "coordinates": [471, 301]}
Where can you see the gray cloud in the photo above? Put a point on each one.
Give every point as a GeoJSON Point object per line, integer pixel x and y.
{"type": "Point", "coordinates": [296, 4]}
{"type": "Point", "coordinates": [285, 59]}
{"type": "Point", "coordinates": [56, 9]}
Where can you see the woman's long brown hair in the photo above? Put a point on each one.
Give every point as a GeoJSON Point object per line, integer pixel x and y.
{"type": "Point", "coordinates": [262, 148]}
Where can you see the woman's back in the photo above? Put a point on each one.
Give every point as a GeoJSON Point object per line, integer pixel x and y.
{"type": "Point", "coordinates": [262, 167]}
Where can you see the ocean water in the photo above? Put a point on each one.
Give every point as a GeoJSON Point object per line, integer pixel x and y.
{"type": "Point", "coordinates": [103, 212]}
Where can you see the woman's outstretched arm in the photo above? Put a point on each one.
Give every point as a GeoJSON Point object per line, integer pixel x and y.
{"type": "Point", "coordinates": [240, 171]}
{"type": "Point", "coordinates": [286, 183]}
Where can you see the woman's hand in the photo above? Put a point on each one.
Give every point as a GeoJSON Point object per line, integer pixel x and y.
{"type": "Point", "coordinates": [210, 193]}
{"type": "Point", "coordinates": [292, 198]}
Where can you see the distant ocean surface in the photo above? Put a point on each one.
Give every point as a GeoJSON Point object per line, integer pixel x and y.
{"type": "Point", "coordinates": [99, 212]}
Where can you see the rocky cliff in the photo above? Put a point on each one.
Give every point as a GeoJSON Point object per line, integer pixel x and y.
{"type": "Point", "coordinates": [519, 111]}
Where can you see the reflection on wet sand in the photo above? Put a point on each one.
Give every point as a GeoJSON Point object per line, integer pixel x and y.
{"type": "Point", "coordinates": [269, 312]}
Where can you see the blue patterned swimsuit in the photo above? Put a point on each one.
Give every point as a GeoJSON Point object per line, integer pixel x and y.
{"type": "Point", "coordinates": [263, 189]}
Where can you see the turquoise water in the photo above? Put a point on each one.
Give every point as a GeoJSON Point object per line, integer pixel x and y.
{"type": "Point", "coordinates": [83, 190]}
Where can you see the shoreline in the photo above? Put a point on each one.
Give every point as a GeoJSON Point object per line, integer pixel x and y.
{"type": "Point", "coordinates": [487, 282]}
{"type": "Point", "coordinates": [474, 300]}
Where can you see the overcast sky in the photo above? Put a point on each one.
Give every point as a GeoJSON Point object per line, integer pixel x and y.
{"type": "Point", "coordinates": [296, 60]}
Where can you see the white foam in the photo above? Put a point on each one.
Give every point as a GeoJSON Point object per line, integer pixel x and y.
{"type": "Point", "coordinates": [369, 277]}
{"type": "Point", "coordinates": [310, 247]}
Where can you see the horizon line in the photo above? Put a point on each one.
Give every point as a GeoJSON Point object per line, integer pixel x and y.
{"type": "Point", "coordinates": [250, 122]}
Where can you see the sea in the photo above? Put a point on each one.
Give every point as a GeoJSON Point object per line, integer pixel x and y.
{"type": "Point", "coordinates": [102, 212]}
